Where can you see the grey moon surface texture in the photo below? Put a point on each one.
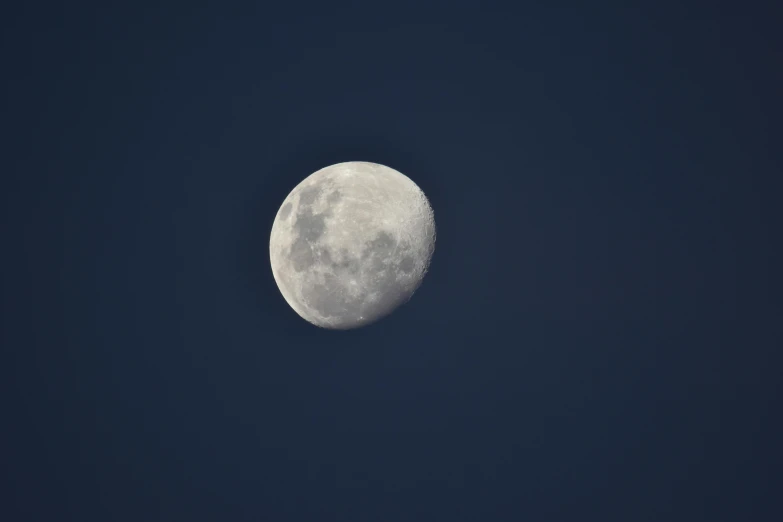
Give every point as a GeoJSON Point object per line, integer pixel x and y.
{"type": "Point", "coordinates": [351, 243]}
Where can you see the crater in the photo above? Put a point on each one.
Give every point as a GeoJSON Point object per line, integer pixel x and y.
{"type": "Point", "coordinates": [407, 264]}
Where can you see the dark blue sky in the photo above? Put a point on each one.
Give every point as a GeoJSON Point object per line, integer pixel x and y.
{"type": "Point", "coordinates": [599, 336]}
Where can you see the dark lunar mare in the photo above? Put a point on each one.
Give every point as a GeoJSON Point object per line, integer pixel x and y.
{"type": "Point", "coordinates": [309, 228]}
{"type": "Point", "coordinates": [385, 277]}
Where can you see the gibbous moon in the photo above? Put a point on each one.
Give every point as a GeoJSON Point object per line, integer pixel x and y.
{"type": "Point", "coordinates": [351, 243]}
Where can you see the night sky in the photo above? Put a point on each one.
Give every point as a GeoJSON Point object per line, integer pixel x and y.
{"type": "Point", "coordinates": [598, 338]}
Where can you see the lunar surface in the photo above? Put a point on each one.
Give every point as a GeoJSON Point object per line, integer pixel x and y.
{"type": "Point", "coordinates": [351, 243]}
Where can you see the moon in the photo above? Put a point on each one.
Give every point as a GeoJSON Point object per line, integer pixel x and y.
{"type": "Point", "coordinates": [351, 243]}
